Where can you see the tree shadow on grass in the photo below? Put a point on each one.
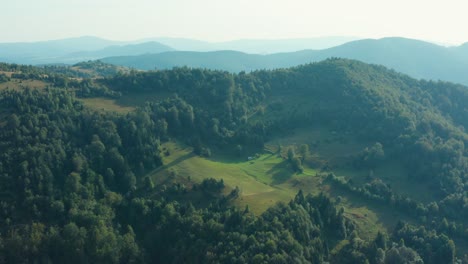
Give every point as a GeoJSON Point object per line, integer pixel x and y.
{"type": "Point", "coordinates": [386, 214]}
{"type": "Point", "coordinates": [280, 173]}
{"type": "Point", "coordinates": [174, 162]}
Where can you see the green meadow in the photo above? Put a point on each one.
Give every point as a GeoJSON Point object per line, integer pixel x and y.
{"type": "Point", "coordinates": [263, 181]}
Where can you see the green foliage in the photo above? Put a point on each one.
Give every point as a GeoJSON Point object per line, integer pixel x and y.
{"type": "Point", "coordinates": [298, 231]}
{"type": "Point", "coordinates": [297, 165]}
{"type": "Point", "coordinates": [62, 161]}
{"type": "Point", "coordinates": [291, 153]}
{"type": "Point", "coordinates": [433, 247]}
{"type": "Point", "coordinates": [4, 78]}
{"type": "Point", "coordinates": [74, 188]}
{"type": "Point", "coordinates": [304, 151]}
{"type": "Point", "coordinates": [370, 156]}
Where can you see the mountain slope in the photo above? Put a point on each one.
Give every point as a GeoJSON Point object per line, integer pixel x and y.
{"type": "Point", "coordinates": [416, 58]}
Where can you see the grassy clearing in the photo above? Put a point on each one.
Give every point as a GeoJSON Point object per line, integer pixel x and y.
{"type": "Point", "coordinates": [336, 150]}
{"type": "Point", "coordinates": [263, 182]}
{"type": "Point", "coordinates": [254, 178]}
{"type": "Point", "coordinates": [123, 105]}
{"type": "Point", "coordinates": [326, 146]}
{"type": "Point", "coordinates": [393, 173]}
{"type": "Point", "coordinates": [7, 73]}
{"type": "Point", "coordinates": [369, 216]}
{"type": "Point", "coordinates": [139, 99]}
{"type": "Point", "coordinates": [104, 104]}
{"type": "Point", "coordinates": [17, 85]}
{"type": "Point", "coordinates": [269, 179]}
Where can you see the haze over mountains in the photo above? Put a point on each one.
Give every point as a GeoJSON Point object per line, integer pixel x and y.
{"type": "Point", "coordinates": [256, 46]}
{"type": "Point", "coordinates": [49, 51]}
{"type": "Point", "coordinates": [74, 50]}
{"type": "Point", "coordinates": [414, 57]}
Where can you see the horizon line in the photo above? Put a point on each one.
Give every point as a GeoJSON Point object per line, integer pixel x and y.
{"type": "Point", "coordinates": [155, 38]}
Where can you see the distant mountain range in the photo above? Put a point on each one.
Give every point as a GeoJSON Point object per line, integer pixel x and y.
{"type": "Point", "coordinates": [73, 50]}
{"type": "Point", "coordinates": [49, 51]}
{"type": "Point", "coordinates": [116, 50]}
{"type": "Point", "coordinates": [256, 46]}
{"type": "Point", "coordinates": [414, 57]}
{"type": "Point", "coordinates": [70, 51]}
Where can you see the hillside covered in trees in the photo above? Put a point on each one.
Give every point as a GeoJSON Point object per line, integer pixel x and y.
{"type": "Point", "coordinates": [76, 184]}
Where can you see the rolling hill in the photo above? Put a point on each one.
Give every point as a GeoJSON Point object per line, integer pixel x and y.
{"type": "Point", "coordinates": [416, 58]}
{"type": "Point", "coordinates": [349, 150]}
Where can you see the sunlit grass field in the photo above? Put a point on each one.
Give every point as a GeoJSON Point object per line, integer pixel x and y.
{"type": "Point", "coordinates": [16, 84]}
{"type": "Point", "coordinates": [263, 182]}
{"type": "Point", "coordinates": [105, 104]}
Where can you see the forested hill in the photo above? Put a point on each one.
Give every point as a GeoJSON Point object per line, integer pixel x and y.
{"type": "Point", "coordinates": [414, 57]}
{"type": "Point", "coordinates": [76, 184]}
{"type": "Point", "coordinates": [410, 116]}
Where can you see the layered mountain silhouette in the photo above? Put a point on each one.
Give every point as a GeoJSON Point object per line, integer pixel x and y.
{"type": "Point", "coordinates": [417, 58]}
{"type": "Point", "coordinates": [256, 46]}
{"type": "Point", "coordinates": [414, 57]}
{"type": "Point", "coordinates": [74, 50]}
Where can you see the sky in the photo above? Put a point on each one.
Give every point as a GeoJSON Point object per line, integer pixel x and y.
{"type": "Point", "coordinates": [443, 22]}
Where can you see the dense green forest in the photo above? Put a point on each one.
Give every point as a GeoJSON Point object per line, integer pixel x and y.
{"type": "Point", "coordinates": [75, 185]}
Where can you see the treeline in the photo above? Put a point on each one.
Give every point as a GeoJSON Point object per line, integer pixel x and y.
{"type": "Point", "coordinates": [97, 69]}
{"type": "Point", "coordinates": [48, 72]}
{"type": "Point", "coordinates": [89, 69]}
{"type": "Point", "coordinates": [79, 77]}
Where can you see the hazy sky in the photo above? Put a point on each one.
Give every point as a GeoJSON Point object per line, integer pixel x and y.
{"type": "Point", "coordinates": [219, 20]}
